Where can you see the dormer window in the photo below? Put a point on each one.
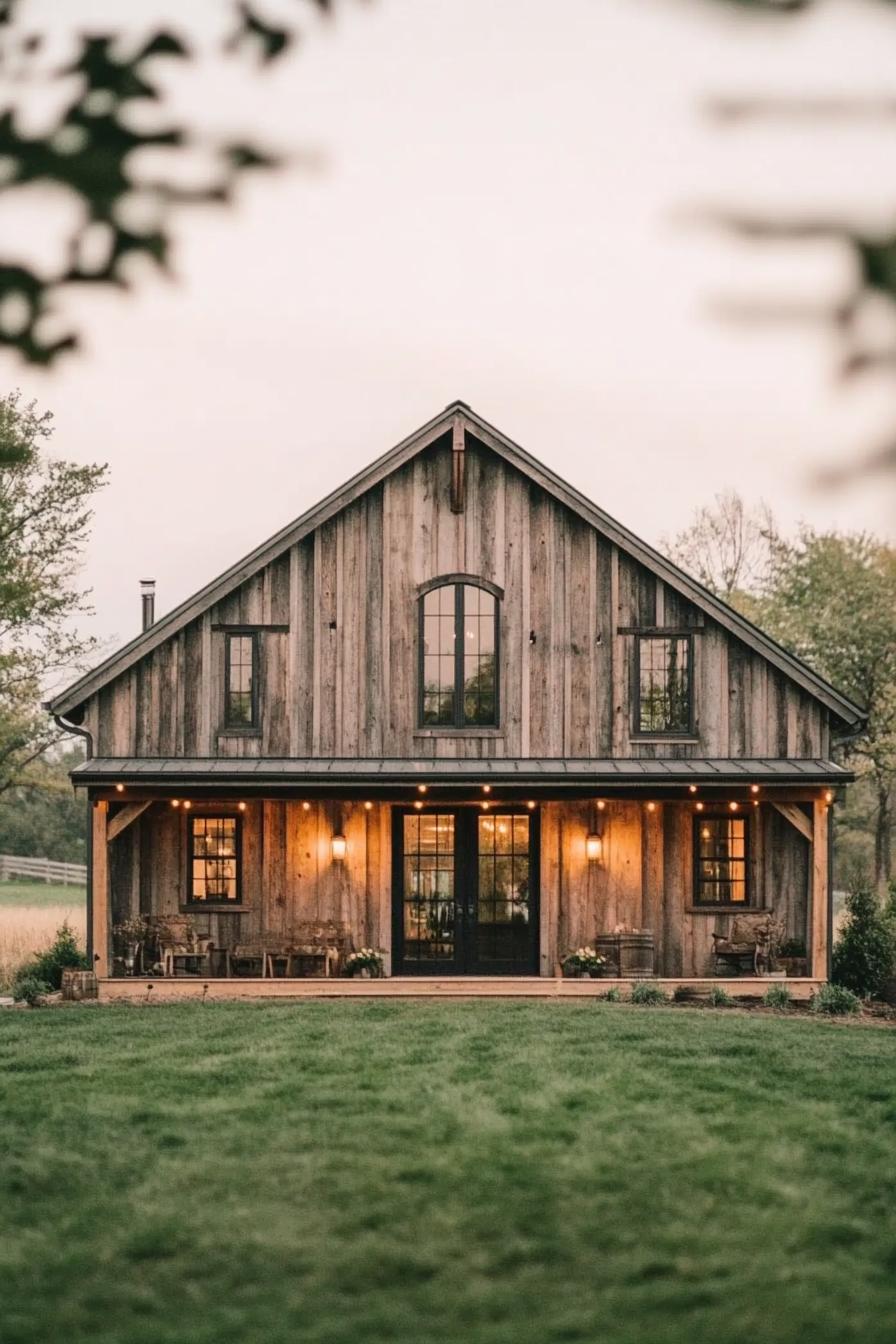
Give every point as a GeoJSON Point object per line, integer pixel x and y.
{"type": "Point", "coordinates": [458, 657]}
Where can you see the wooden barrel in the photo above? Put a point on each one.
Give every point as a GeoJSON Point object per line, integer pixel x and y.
{"type": "Point", "coordinates": [77, 985]}
{"type": "Point", "coordinates": [629, 955]}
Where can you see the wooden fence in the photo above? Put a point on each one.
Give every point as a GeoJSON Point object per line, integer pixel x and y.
{"type": "Point", "coordinates": [42, 870]}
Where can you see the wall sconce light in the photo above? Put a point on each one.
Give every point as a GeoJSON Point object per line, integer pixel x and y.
{"type": "Point", "coordinates": [338, 846]}
{"type": "Point", "coordinates": [829, 795]}
{"type": "Point", "coordinates": [594, 847]}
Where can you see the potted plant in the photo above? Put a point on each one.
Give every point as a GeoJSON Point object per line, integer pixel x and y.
{"type": "Point", "coordinates": [367, 963]}
{"type": "Point", "coordinates": [583, 963]}
{"type": "Point", "coordinates": [791, 957]}
{"type": "Point", "coordinates": [128, 939]}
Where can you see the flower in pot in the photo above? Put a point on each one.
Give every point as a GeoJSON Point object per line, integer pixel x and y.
{"type": "Point", "coordinates": [367, 963]}
{"type": "Point", "coordinates": [583, 962]}
{"type": "Point", "coordinates": [128, 937]}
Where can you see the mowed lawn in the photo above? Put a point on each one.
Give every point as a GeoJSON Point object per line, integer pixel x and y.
{"type": "Point", "coordinates": [491, 1173]}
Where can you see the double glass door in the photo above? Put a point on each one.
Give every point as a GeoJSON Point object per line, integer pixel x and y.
{"type": "Point", "coordinates": [465, 892]}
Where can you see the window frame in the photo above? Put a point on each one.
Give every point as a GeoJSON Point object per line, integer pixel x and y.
{"type": "Point", "coordinates": [697, 900]}
{"type": "Point", "coordinates": [253, 726]}
{"type": "Point", "coordinates": [457, 725]}
{"type": "Point", "coordinates": [689, 729]}
{"type": "Point", "coordinates": [217, 905]}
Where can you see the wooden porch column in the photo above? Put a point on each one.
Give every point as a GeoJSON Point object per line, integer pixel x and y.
{"type": "Point", "coordinates": [99, 889]}
{"type": "Point", "coordinates": [818, 904]}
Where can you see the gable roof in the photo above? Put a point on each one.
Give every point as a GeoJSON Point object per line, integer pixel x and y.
{"type": "Point", "coordinates": [390, 462]}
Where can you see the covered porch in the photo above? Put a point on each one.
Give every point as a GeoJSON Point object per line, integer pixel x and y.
{"type": "Point", "coordinates": [443, 864]}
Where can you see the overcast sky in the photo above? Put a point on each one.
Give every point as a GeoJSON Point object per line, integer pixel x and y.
{"type": "Point", "coordinates": [501, 214]}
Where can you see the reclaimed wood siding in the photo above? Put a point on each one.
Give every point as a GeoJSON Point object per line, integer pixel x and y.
{"type": "Point", "coordinates": [288, 872]}
{"type": "Point", "coordinates": [645, 880]}
{"type": "Point", "coordinates": [341, 678]}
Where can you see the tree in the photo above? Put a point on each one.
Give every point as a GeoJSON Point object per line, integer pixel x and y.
{"type": "Point", "coordinates": [45, 512]}
{"type": "Point", "coordinates": [831, 599]}
{"type": "Point", "coordinates": [864, 952]}
{"type": "Point", "coordinates": [41, 815]}
{"type": "Point", "coordinates": [729, 547]}
{"type": "Point", "coordinates": [91, 150]}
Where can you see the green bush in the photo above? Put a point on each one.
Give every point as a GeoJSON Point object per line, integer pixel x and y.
{"type": "Point", "coordinates": [835, 1000]}
{"type": "Point", "coordinates": [30, 988]}
{"type": "Point", "coordinates": [646, 992]}
{"type": "Point", "coordinates": [777, 996]}
{"type": "Point", "coordinates": [865, 951]}
{"type": "Point", "coordinates": [614, 995]}
{"type": "Point", "coordinates": [718, 997]}
{"type": "Point", "coordinates": [59, 956]}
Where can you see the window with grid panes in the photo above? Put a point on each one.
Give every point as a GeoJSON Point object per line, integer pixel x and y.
{"type": "Point", "coordinates": [240, 690]}
{"type": "Point", "coordinates": [458, 662]}
{"type": "Point", "coordinates": [214, 860]}
{"type": "Point", "coordinates": [663, 684]}
{"type": "Point", "coordinates": [720, 861]}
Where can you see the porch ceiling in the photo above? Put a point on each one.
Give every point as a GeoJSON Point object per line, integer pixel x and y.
{"type": "Point", "coordinates": [568, 773]}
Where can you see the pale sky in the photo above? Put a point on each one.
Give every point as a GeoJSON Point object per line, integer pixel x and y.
{"type": "Point", "coordinates": [502, 213]}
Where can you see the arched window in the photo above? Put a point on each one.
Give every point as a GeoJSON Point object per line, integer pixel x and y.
{"type": "Point", "coordinates": [458, 656]}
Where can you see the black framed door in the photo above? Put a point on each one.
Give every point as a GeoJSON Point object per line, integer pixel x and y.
{"type": "Point", "coordinates": [465, 891]}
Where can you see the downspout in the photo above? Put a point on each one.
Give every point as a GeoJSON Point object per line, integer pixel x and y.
{"type": "Point", "coordinates": [76, 730]}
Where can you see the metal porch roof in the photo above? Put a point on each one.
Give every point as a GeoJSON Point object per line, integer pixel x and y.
{"type": "Point", "coordinates": [334, 771]}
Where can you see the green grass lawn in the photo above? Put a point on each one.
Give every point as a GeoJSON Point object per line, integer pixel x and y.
{"type": "Point", "coordinates": [495, 1173]}
{"type": "Point", "coordinates": [40, 893]}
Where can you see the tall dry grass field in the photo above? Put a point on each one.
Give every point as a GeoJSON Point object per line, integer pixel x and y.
{"type": "Point", "coordinates": [29, 920]}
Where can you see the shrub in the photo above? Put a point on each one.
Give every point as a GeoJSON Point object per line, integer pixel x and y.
{"type": "Point", "coordinates": [792, 947]}
{"type": "Point", "coordinates": [864, 953]}
{"type": "Point", "coordinates": [30, 988]}
{"type": "Point", "coordinates": [719, 997]}
{"type": "Point", "coordinates": [777, 996]}
{"type": "Point", "coordinates": [62, 953]}
{"type": "Point", "coordinates": [614, 995]}
{"type": "Point", "coordinates": [645, 992]}
{"type": "Point", "coordinates": [835, 1000]}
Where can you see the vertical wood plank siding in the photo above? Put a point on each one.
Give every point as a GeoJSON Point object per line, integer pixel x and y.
{"type": "Point", "coordinates": [342, 681]}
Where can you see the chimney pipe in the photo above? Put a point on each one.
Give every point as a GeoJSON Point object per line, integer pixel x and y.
{"type": "Point", "coordinates": [148, 601]}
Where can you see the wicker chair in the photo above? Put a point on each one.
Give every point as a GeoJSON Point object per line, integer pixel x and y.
{"type": "Point", "coordinates": [750, 943]}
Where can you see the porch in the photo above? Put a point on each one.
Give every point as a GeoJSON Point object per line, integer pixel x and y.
{"type": "Point", "coordinates": [476, 878]}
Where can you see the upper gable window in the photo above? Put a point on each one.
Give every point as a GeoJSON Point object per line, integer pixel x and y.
{"type": "Point", "coordinates": [663, 684]}
{"type": "Point", "coordinates": [458, 657]}
{"type": "Point", "coordinates": [241, 681]}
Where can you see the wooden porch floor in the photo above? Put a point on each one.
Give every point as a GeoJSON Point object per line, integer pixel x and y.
{"type": "Point", "coordinates": [424, 987]}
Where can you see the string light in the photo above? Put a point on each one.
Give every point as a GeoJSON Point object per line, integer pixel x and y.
{"type": "Point", "coordinates": [733, 806]}
{"type": "Point", "coordinates": [754, 788]}
{"type": "Point", "coordinates": [242, 807]}
{"type": "Point", "coordinates": [187, 803]}
{"type": "Point", "coordinates": [601, 804]}
{"type": "Point", "coordinates": [418, 805]}
{"type": "Point", "coordinates": [421, 788]}
{"type": "Point", "coordinates": [531, 805]}
{"type": "Point", "coordinates": [175, 802]}
{"type": "Point", "coordinates": [699, 807]}
{"type": "Point", "coordinates": [651, 807]}
{"type": "Point", "coordinates": [486, 788]}
{"type": "Point", "coordinates": [306, 807]}
{"type": "Point", "coordinates": [368, 806]}
{"type": "Point", "coordinates": [485, 806]}
{"type": "Point", "coordinates": [692, 788]}
{"type": "Point", "coordinates": [119, 788]}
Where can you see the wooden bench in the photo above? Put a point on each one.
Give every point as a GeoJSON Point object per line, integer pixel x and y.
{"type": "Point", "coordinates": [750, 944]}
